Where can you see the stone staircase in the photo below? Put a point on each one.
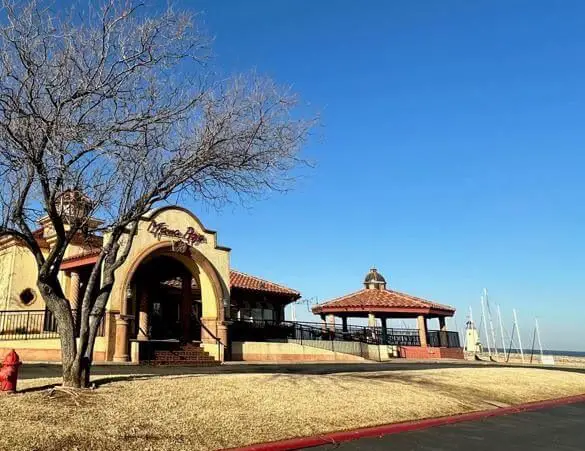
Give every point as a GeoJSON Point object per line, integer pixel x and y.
{"type": "Point", "coordinates": [176, 353]}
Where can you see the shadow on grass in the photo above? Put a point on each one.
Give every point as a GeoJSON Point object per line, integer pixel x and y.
{"type": "Point", "coordinates": [109, 374]}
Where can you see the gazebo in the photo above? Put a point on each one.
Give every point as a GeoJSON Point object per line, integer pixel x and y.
{"type": "Point", "coordinates": [376, 301]}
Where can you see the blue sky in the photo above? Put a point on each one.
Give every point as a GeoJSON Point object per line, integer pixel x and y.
{"type": "Point", "coordinates": [450, 156]}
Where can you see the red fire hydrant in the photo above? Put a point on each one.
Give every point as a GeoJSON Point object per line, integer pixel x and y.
{"type": "Point", "coordinates": [9, 372]}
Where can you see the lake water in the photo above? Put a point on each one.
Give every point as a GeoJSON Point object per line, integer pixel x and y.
{"type": "Point", "coordinates": [549, 352]}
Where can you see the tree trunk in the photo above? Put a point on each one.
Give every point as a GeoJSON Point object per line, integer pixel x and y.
{"type": "Point", "coordinates": [72, 375]}
{"type": "Point", "coordinates": [87, 359]}
{"type": "Point", "coordinates": [59, 307]}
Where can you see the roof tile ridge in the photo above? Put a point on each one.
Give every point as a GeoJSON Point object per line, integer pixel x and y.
{"type": "Point", "coordinates": [341, 298]}
{"type": "Point", "coordinates": [419, 299]}
{"type": "Point", "coordinates": [259, 279]}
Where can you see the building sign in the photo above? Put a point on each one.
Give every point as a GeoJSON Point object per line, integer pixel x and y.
{"type": "Point", "coordinates": [190, 236]}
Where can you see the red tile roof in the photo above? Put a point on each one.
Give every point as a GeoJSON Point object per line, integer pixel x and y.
{"type": "Point", "coordinates": [245, 281]}
{"type": "Point", "coordinates": [87, 257]}
{"type": "Point", "coordinates": [386, 301]}
{"type": "Point", "coordinates": [238, 279]}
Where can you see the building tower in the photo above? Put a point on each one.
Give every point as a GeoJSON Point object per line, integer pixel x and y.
{"type": "Point", "coordinates": [472, 342]}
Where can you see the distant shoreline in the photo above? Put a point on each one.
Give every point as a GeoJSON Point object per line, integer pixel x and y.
{"type": "Point", "coordinates": [560, 357]}
{"type": "Point", "coordinates": [545, 352]}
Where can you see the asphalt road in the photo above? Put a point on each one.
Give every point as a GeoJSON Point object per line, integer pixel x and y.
{"type": "Point", "coordinates": [558, 428]}
{"type": "Point", "coordinates": [40, 370]}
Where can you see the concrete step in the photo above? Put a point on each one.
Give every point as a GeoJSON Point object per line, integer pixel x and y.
{"type": "Point", "coordinates": [173, 353]}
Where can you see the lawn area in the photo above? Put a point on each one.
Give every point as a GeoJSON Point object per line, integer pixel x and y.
{"type": "Point", "coordinates": [217, 411]}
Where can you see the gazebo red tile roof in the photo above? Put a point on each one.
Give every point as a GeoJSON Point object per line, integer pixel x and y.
{"type": "Point", "coordinates": [384, 301]}
{"type": "Point", "coordinates": [375, 298]}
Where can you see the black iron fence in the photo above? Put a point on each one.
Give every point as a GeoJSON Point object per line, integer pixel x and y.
{"type": "Point", "coordinates": [453, 340]}
{"type": "Point", "coordinates": [434, 339]}
{"type": "Point", "coordinates": [34, 324]}
{"type": "Point", "coordinates": [268, 330]}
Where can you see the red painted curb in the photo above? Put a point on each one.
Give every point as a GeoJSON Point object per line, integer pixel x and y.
{"type": "Point", "coordinates": [395, 428]}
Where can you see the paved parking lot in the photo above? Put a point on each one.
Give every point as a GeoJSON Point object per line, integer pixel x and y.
{"type": "Point", "coordinates": [558, 428]}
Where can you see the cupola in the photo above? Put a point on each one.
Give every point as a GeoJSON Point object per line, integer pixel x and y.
{"type": "Point", "coordinates": [374, 280]}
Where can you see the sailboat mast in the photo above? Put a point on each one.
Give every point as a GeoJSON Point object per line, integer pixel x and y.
{"type": "Point", "coordinates": [539, 342]}
{"type": "Point", "coordinates": [485, 327]}
{"type": "Point", "coordinates": [518, 333]}
{"type": "Point", "coordinates": [492, 330]}
{"type": "Point", "coordinates": [501, 330]}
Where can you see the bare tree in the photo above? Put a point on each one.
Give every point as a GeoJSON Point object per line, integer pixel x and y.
{"type": "Point", "coordinates": [118, 106]}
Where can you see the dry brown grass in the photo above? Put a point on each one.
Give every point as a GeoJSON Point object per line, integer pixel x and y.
{"type": "Point", "coordinates": [216, 411]}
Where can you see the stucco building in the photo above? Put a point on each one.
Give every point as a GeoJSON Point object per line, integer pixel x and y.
{"type": "Point", "coordinates": [177, 300]}
{"type": "Point", "coordinates": [172, 297]}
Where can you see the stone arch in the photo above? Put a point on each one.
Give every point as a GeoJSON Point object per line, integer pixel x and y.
{"type": "Point", "coordinates": [205, 259]}
{"type": "Point", "coordinates": [214, 296]}
{"type": "Point", "coordinates": [196, 263]}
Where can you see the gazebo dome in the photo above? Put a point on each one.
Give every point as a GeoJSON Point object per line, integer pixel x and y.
{"type": "Point", "coordinates": [375, 280]}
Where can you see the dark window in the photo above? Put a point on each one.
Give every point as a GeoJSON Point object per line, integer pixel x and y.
{"type": "Point", "coordinates": [27, 296]}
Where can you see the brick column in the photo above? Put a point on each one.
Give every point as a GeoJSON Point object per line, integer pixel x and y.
{"type": "Point", "coordinates": [74, 290]}
{"type": "Point", "coordinates": [211, 325]}
{"type": "Point", "coordinates": [443, 332]}
{"type": "Point", "coordinates": [222, 334]}
{"type": "Point", "coordinates": [143, 315]}
{"type": "Point", "coordinates": [121, 350]}
{"type": "Point", "coordinates": [331, 322]}
{"type": "Point", "coordinates": [422, 330]}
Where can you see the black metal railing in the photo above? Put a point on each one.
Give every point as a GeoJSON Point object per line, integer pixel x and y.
{"type": "Point", "coordinates": [403, 337]}
{"type": "Point", "coordinates": [34, 324]}
{"type": "Point", "coordinates": [453, 340]}
{"type": "Point", "coordinates": [434, 339]}
{"type": "Point", "coordinates": [269, 330]}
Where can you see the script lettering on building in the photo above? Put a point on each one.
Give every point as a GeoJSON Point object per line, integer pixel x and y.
{"type": "Point", "coordinates": [190, 236]}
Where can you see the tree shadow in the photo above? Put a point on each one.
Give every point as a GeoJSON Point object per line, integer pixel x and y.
{"type": "Point", "coordinates": [109, 374]}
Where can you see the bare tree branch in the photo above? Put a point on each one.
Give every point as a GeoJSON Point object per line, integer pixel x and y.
{"type": "Point", "coordinates": [107, 111]}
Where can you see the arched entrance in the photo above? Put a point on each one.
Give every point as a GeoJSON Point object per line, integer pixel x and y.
{"type": "Point", "coordinates": [171, 294]}
{"type": "Point", "coordinates": [165, 300]}
{"type": "Point", "coordinates": [152, 298]}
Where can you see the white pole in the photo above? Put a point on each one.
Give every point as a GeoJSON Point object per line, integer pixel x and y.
{"type": "Point", "coordinates": [485, 327]}
{"type": "Point", "coordinates": [293, 312]}
{"type": "Point", "coordinates": [518, 334]}
{"type": "Point", "coordinates": [539, 342]}
{"type": "Point", "coordinates": [493, 331]}
{"type": "Point", "coordinates": [501, 330]}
